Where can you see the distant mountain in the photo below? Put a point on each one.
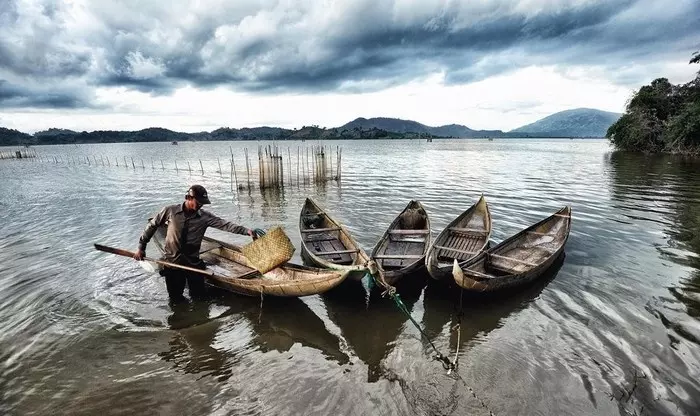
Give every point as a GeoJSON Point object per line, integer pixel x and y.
{"type": "Point", "coordinates": [397, 125]}
{"type": "Point", "coordinates": [579, 122]}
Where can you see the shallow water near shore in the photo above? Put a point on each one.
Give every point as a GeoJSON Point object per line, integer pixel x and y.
{"type": "Point", "coordinates": [613, 328]}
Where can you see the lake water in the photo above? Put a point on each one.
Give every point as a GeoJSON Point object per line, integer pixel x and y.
{"type": "Point", "coordinates": [84, 332]}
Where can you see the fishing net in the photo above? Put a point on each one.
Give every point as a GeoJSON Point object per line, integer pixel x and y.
{"type": "Point", "coordinates": [269, 251]}
{"type": "Point", "coordinates": [413, 219]}
{"type": "Point", "coordinates": [313, 220]}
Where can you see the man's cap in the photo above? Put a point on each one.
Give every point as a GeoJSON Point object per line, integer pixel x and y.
{"type": "Point", "coordinates": [199, 193]}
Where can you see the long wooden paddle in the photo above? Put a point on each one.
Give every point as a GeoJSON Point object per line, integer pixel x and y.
{"type": "Point", "coordinates": [127, 253]}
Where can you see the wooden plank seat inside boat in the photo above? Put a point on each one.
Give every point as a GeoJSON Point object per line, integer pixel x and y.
{"type": "Point", "coordinates": [397, 256]}
{"type": "Point", "coordinates": [326, 242]}
{"type": "Point", "coordinates": [409, 236]}
{"type": "Point", "coordinates": [461, 244]}
{"type": "Point", "coordinates": [517, 261]}
{"type": "Point", "coordinates": [469, 231]}
{"type": "Point", "coordinates": [320, 230]}
{"type": "Point", "coordinates": [406, 246]}
{"type": "Point", "coordinates": [216, 254]}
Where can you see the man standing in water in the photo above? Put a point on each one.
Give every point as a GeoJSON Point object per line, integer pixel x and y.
{"type": "Point", "coordinates": [186, 224]}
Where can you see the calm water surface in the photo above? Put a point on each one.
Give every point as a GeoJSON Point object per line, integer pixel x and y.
{"type": "Point", "coordinates": [84, 332]}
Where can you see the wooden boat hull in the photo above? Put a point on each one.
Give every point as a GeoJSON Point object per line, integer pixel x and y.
{"type": "Point", "coordinates": [401, 250]}
{"type": "Point", "coordinates": [463, 239]}
{"type": "Point", "coordinates": [277, 283]}
{"type": "Point", "coordinates": [326, 243]}
{"type": "Point", "coordinates": [232, 271]}
{"type": "Point", "coordinates": [518, 260]}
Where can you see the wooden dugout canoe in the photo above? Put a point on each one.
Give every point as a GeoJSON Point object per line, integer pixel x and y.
{"type": "Point", "coordinates": [517, 260]}
{"type": "Point", "coordinates": [327, 243]}
{"type": "Point", "coordinates": [232, 271]}
{"type": "Point", "coordinates": [402, 248]}
{"type": "Point", "coordinates": [463, 239]}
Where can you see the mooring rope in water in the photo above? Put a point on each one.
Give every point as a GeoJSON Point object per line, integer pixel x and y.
{"type": "Point", "coordinates": [477, 398]}
{"type": "Point", "coordinates": [391, 292]}
{"type": "Point", "coordinates": [458, 327]}
{"type": "Point", "coordinates": [448, 365]}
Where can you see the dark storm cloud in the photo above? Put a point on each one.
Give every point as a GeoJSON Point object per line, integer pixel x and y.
{"type": "Point", "coordinates": [156, 47]}
{"type": "Point", "coordinates": [16, 96]}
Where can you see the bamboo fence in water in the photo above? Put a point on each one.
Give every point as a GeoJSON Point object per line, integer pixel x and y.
{"type": "Point", "coordinates": [18, 154]}
{"type": "Point", "coordinates": [313, 165]}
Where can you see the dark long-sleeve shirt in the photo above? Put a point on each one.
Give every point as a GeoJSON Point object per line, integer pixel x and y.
{"type": "Point", "coordinates": [185, 233]}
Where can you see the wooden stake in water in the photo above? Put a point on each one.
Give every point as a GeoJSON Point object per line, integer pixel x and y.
{"type": "Point", "coordinates": [278, 174]}
{"type": "Point", "coordinates": [233, 173]}
{"type": "Point", "coordinates": [297, 166]}
{"type": "Point", "coordinates": [189, 167]}
{"type": "Point", "coordinates": [132, 163]}
{"type": "Point", "coordinates": [273, 167]}
{"type": "Point", "coordinates": [307, 167]}
{"type": "Point", "coordinates": [161, 164]}
{"type": "Point", "coordinates": [314, 164]}
{"type": "Point", "coordinates": [289, 163]}
{"type": "Point", "coordinates": [176, 169]}
{"type": "Point", "coordinates": [261, 178]}
{"type": "Point", "coordinates": [219, 163]}
{"type": "Point", "coordinates": [247, 165]}
{"type": "Point", "coordinates": [280, 168]}
{"type": "Point", "coordinates": [201, 167]}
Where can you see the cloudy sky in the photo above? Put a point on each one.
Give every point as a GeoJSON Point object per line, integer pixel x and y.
{"type": "Point", "coordinates": [199, 65]}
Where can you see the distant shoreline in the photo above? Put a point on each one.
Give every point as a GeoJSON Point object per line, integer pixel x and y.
{"type": "Point", "coordinates": [576, 123]}
{"type": "Point", "coordinates": [300, 140]}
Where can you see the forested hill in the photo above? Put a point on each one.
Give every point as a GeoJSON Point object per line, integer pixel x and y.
{"type": "Point", "coordinates": [397, 125]}
{"type": "Point", "coordinates": [661, 117]}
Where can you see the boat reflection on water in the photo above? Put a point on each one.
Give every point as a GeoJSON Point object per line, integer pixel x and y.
{"type": "Point", "coordinates": [371, 329]}
{"type": "Point", "coordinates": [482, 313]}
{"type": "Point", "coordinates": [211, 345]}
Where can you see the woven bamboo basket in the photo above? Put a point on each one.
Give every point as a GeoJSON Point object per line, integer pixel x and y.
{"type": "Point", "coordinates": [269, 251]}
